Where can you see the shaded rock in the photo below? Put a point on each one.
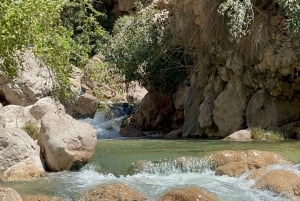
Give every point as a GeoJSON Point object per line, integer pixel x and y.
{"type": "Point", "coordinates": [19, 155]}
{"type": "Point", "coordinates": [292, 130]}
{"type": "Point", "coordinates": [174, 134]}
{"type": "Point", "coordinates": [9, 194]}
{"type": "Point", "coordinates": [229, 108]}
{"type": "Point", "coordinates": [33, 82]}
{"type": "Point", "coordinates": [43, 105]}
{"type": "Point", "coordinates": [40, 197]}
{"type": "Point", "coordinates": [241, 135]}
{"type": "Point", "coordinates": [154, 112]}
{"type": "Point", "coordinates": [188, 194]}
{"type": "Point", "coordinates": [261, 158]}
{"type": "Point", "coordinates": [86, 105]}
{"type": "Point", "coordinates": [113, 192]}
{"type": "Point", "coordinates": [266, 111]}
{"type": "Point", "coordinates": [65, 142]}
{"type": "Point", "coordinates": [285, 182]}
{"type": "Point", "coordinates": [14, 116]}
{"type": "Point", "coordinates": [135, 93]}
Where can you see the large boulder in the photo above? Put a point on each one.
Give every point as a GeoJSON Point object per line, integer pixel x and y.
{"type": "Point", "coordinates": [34, 81]}
{"type": "Point", "coordinates": [229, 108]}
{"type": "Point", "coordinates": [43, 105]}
{"type": "Point", "coordinates": [188, 194]}
{"type": "Point", "coordinates": [65, 142]}
{"type": "Point", "coordinates": [19, 155]}
{"type": "Point", "coordinates": [14, 116]}
{"type": "Point", "coordinates": [285, 182]}
{"type": "Point", "coordinates": [240, 136]}
{"type": "Point", "coordinates": [86, 104]}
{"type": "Point", "coordinates": [113, 192]}
{"type": "Point", "coordinates": [9, 194]}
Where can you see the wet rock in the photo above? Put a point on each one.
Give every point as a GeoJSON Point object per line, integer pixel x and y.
{"type": "Point", "coordinates": [40, 197]}
{"type": "Point", "coordinates": [65, 141]}
{"type": "Point", "coordinates": [285, 182]}
{"type": "Point", "coordinates": [188, 194]}
{"type": "Point", "coordinates": [241, 136]}
{"type": "Point", "coordinates": [292, 130]}
{"type": "Point", "coordinates": [175, 134]}
{"type": "Point", "coordinates": [258, 173]}
{"type": "Point", "coordinates": [19, 156]}
{"type": "Point", "coordinates": [233, 169]}
{"type": "Point", "coordinates": [261, 158]}
{"type": "Point", "coordinates": [113, 192]}
{"type": "Point", "coordinates": [9, 194]}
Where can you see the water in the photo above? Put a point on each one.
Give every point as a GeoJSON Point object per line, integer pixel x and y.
{"type": "Point", "coordinates": [155, 166]}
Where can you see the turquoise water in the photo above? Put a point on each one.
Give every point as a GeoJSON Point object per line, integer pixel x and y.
{"type": "Point", "coordinates": [113, 162]}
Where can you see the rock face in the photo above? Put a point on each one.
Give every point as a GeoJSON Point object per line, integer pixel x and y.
{"type": "Point", "coordinates": [19, 155]}
{"type": "Point", "coordinates": [33, 82]}
{"type": "Point", "coordinates": [235, 163]}
{"type": "Point", "coordinates": [113, 192]}
{"type": "Point", "coordinates": [285, 182]}
{"type": "Point", "coordinates": [9, 194]}
{"type": "Point", "coordinates": [65, 142]}
{"type": "Point", "coordinates": [188, 194]}
{"type": "Point", "coordinates": [234, 85]}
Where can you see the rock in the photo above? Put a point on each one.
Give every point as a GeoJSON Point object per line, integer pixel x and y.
{"type": "Point", "coordinates": [292, 130]}
{"type": "Point", "coordinates": [113, 192]}
{"type": "Point", "coordinates": [9, 194]}
{"type": "Point", "coordinates": [33, 82]}
{"type": "Point", "coordinates": [14, 116]}
{"type": "Point", "coordinates": [229, 108]}
{"type": "Point", "coordinates": [65, 142]}
{"type": "Point", "coordinates": [154, 112]}
{"type": "Point", "coordinates": [258, 173]}
{"type": "Point", "coordinates": [40, 197]}
{"type": "Point", "coordinates": [19, 155]}
{"type": "Point", "coordinates": [233, 169]}
{"type": "Point", "coordinates": [135, 93]}
{"type": "Point", "coordinates": [188, 194]}
{"type": "Point", "coordinates": [86, 105]}
{"type": "Point", "coordinates": [260, 158]}
{"type": "Point", "coordinates": [285, 182]}
{"type": "Point", "coordinates": [241, 135]}
{"type": "Point", "coordinates": [125, 5]}
{"type": "Point", "coordinates": [175, 134]}
{"type": "Point", "coordinates": [43, 105]}
{"type": "Point", "coordinates": [265, 111]}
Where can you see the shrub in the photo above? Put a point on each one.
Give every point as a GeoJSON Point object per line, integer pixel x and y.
{"type": "Point", "coordinates": [259, 134]}
{"type": "Point", "coordinates": [142, 49]}
{"type": "Point", "coordinates": [32, 130]}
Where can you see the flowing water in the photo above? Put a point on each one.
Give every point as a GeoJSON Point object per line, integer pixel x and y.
{"type": "Point", "coordinates": [161, 165]}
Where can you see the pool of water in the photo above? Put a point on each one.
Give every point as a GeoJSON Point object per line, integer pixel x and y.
{"type": "Point", "coordinates": [114, 158]}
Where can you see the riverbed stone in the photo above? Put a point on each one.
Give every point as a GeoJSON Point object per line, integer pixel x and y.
{"type": "Point", "coordinates": [86, 105]}
{"type": "Point", "coordinates": [188, 194]}
{"type": "Point", "coordinates": [240, 136]}
{"type": "Point", "coordinates": [281, 181]}
{"type": "Point", "coordinates": [65, 142]}
{"type": "Point", "coordinates": [113, 192]}
{"type": "Point", "coordinates": [19, 155]}
{"type": "Point", "coordinates": [9, 194]}
{"type": "Point", "coordinates": [40, 197]}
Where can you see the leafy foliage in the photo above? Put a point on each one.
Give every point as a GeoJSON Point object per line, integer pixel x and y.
{"type": "Point", "coordinates": [35, 24]}
{"type": "Point", "coordinates": [85, 21]}
{"type": "Point", "coordinates": [142, 50]}
{"type": "Point", "coordinates": [259, 134]}
{"type": "Point", "coordinates": [240, 14]}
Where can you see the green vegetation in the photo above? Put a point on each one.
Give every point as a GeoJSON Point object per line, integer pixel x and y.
{"type": "Point", "coordinates": [240, 14]}
{"type": "Point", "coordinates": [32, 130]}
{"type": "Point", "coordinates": [259, 134]}
{"type": "Point", "coordinates": [143, 50]}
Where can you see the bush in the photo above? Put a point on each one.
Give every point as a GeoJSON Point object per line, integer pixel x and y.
{"type": "Point", "coordinates": [259, 134]}
{"type": "Point", "coordinates": [142, 49]}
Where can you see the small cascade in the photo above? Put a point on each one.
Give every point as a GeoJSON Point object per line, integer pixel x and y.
{"type": "Point", "coordinates": [107, 121]}
{"type": "Point", "coordinates": [173, 166]}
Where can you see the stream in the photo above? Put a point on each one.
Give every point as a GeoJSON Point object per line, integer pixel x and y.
{"type": "Point", "coordinates": [161, 169]}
